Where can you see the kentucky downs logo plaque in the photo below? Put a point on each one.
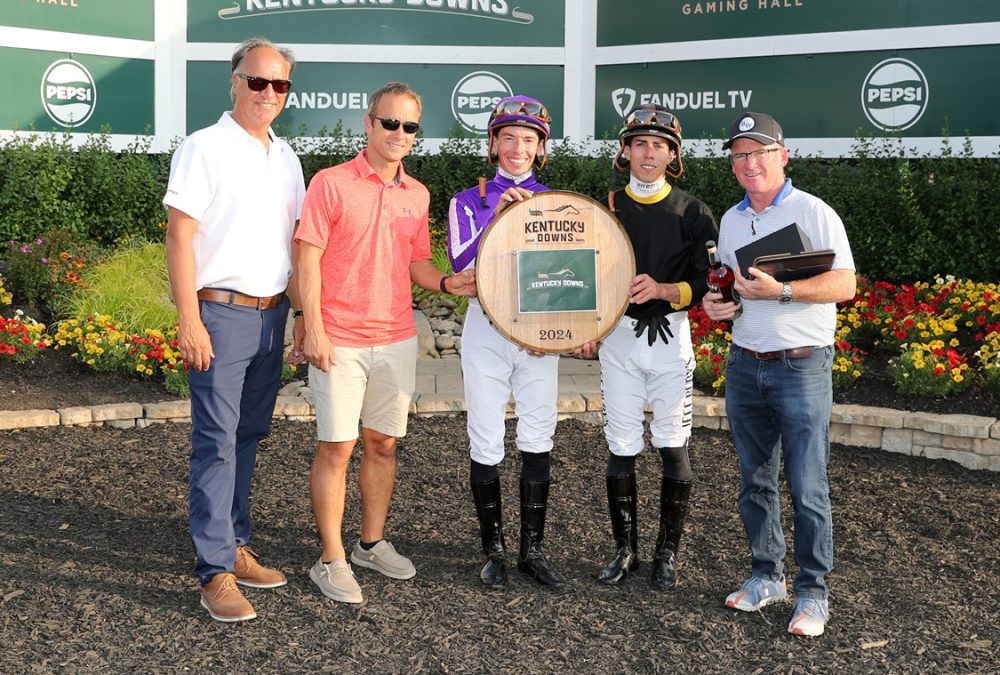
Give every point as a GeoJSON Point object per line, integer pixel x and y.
{"type": "Point", "coordinates": [553, 271]}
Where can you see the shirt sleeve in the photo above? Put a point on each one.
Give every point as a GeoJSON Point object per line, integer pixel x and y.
{"type": "Point", "coordinates": [192, 183]}
{"type": "Point", "coordinates": [318, 211]}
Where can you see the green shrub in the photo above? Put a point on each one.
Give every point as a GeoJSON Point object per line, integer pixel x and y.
{"type": "Point", "coordinates": [91, 192]}
{"type": "Point", "coordinates": [35, 176]}
{"type": "Point", "coordinates": [908, 217]}
{"type": "Point", "coordinates": [129, 187]}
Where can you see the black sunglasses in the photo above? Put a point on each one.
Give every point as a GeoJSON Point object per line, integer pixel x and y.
{"type": "Point", "coordinates": [391, 124]}
{"type": "Point", "coordinates": [260, 83]}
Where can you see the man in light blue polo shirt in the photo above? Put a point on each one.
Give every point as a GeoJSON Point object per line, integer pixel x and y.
{"type": "Point", "coordinates": [779, 388]}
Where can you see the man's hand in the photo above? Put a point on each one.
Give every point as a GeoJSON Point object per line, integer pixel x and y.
{"type": "Point", "coordinates": [297, 357]}
{"type": "Point", "coordinates": [318, 350]}
{"type": "Point", "coordinates": [588, 349]}
{"type": "Point", "coordinates": [762, 286]}
{"type": "Point", "coordinates": [717, 310]}
{"type": "Point", "coordinates": [463, 283]}
{"type": "Point", "coordinates": [195, 344]}
{"type": "Point", "coordinates": [643, 289]}
{"type": "Point", "coordinates": [511, 195]}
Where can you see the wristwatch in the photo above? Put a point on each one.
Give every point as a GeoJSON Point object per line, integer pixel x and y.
{"type": "Point", "coordinates": [786, 293]}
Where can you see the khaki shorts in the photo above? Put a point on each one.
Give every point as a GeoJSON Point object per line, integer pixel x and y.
{"type": "Point", "coordinates": [370, 385]}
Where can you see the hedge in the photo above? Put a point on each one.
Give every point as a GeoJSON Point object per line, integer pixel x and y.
{"type": "Point", "coordinates": [908, 218]}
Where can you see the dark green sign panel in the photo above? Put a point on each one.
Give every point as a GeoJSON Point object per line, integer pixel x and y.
{"type": "Point", "coordinates": [915, 92]}
{"type": "Point", "coordinates": [654, 21]}
{"type": "Point", "coordinates": [535, 23]}
{"type": "Point", "coordinates": [557, 281]}
{"type": "Point", "coordinates": [49, 91]}
{"type": "Point", "coordinates": [456, 99]}
{"type": "Point", "coordinates": [111, 18]}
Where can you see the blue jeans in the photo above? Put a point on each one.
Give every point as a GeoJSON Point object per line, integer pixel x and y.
{"type": "Point", "coordinates": [231, 407]}
{"type": "Point", "coordinates": [779, 411]}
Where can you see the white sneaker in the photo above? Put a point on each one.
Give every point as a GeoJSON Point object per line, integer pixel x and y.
{"type": "Point", "coordinates": [756, 593]}
{"type": "Point", "coordinates": [809, 617]}
{"type": "Point", "coordinates": [383, 558]}
{"type": "Point", "coordinates": [336, 580]}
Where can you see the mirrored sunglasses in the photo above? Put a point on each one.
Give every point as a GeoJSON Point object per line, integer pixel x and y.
{"type": "Point", "coordinates": [260, 83]}
{"type": "Point", "coordinates": [391, 124]}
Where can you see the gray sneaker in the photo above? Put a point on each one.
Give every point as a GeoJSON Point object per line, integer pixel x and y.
{"type": "Point", "coordinates": [383, 558]}
{"type": "Point", "coordinates": [336, 580]}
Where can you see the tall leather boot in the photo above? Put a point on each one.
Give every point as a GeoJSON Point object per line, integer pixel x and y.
{"type": "Point", "coordinates": [531, 560]}
{"type": "Point", "coordinates": [673, 510]}
{"type": "Point", "coordinates": [622, 506]}
{"type": "Point", "coordinates": [486, 496]}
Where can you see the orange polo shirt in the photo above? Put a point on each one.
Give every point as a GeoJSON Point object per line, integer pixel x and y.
{"type": "Point", "coordinates": [370, 232]}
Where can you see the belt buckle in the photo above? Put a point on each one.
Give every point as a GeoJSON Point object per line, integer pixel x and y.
{"type": "Point", "coordinates": [260, 302]}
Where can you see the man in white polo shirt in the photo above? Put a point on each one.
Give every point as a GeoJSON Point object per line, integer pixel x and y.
{"type": "Point", "coordinates": [234, 196]}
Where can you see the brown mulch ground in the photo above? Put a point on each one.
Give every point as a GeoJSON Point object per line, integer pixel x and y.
{"type": "Point", "coordinates": [95, 560]}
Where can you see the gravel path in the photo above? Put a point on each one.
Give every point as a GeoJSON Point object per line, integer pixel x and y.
{"type": "Point", "coordinates": [95, 560]}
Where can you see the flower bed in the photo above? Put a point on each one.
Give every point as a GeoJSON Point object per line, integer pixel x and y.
{"type": "Point", "coordinates": [942, 337]}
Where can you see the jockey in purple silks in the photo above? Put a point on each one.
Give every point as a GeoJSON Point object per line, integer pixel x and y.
{"type": "Point", "coordinates": [493, 367]}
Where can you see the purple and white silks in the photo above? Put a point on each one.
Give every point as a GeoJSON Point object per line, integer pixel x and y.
{"type": "Point", "coordinates": [468, 219]}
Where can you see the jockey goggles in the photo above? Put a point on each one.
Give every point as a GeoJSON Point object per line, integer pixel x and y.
{"type": "Point", "coordinates": [650, 117]}
{"type": "Point", "coordinates": [516, 107]}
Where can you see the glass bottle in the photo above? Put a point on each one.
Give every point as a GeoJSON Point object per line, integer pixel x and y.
{"type": "Point", "coordinates": [720, 276]}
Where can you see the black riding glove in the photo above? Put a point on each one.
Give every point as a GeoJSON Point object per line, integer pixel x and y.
{"type": "Point", "coordinates": [655, 325]}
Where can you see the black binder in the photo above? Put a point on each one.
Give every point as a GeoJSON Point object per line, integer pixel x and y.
{"type": "Point", "coordinates": [789, 240]}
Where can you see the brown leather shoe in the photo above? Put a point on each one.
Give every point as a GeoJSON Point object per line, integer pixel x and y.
{"type": "Point", "coordinates": [223, 600]}
{"type": "Point", "coordinates": [251, 573]}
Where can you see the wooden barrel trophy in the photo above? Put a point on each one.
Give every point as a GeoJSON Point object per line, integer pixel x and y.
{"type": "Point", "coordinates": [553, 272]}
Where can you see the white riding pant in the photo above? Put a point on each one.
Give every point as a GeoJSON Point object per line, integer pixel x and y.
{"type": "Point", "coordinates": [634, 374]}
{"type": "Point", "coordinates": [494, 369]}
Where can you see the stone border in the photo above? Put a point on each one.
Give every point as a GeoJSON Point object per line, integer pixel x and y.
{"type": "Point", "coordinates": [970, 440]}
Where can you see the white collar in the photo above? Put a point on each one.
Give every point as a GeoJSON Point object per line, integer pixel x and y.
{"type": "Point", "coordinates": [642, 189]}
{"type": "Point", "coordinates": [516, 179]}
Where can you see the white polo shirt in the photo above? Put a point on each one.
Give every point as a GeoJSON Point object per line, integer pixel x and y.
{"type": "Point", "coordinates": [768, 325]}
{"type": "Point", "coordinates": [246, 200]}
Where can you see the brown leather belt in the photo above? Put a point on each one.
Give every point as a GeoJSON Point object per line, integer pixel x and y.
{"type": "Point", "coordinates": [234, 298]}
{"type": "Point", "coordinates": [794, 353]}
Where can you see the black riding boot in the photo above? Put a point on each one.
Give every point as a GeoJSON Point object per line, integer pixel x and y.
{"type": "Point", "coordinates": [622, 506]}
{"type": "Point", "coordinates": [531, 560]}
{"type": "Point", "coordinates": [486, 495]}
{"type": "Point", "coordinates": [673, 510]}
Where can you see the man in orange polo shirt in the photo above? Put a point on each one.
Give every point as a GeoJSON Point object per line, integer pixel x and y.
{"type": "Point", "coordinates": [363, 238]}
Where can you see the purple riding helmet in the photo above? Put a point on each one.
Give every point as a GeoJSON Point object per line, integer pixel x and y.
{"type": "Point", "coordinates": [651, 120]}
{"type": "Point", "coordinates": [520, 111]}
